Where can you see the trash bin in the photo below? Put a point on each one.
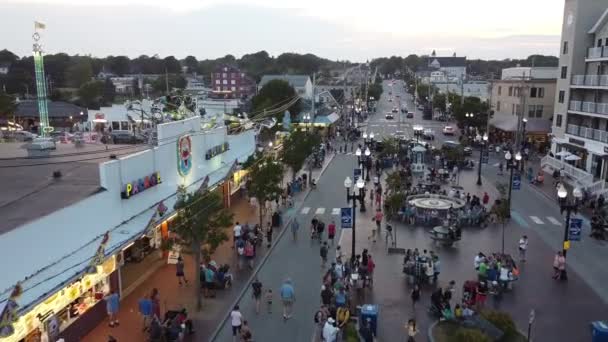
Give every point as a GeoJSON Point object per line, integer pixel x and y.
{"type": "Point", "coordinates": [370, 311]}
{"type": "Point", "coordinates": [599, 331]}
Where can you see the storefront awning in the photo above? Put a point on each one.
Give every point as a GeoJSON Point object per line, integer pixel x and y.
{"type": "Point", "coordinates": [509, 124]}
{"type": "Point", "coordinates": [327, 119]}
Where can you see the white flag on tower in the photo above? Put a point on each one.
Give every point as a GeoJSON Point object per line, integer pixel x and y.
{"type": "Point", "coordinates": [39, 25]}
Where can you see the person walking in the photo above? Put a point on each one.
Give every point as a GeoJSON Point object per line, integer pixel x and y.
{"type": "Point", "coordinates": [246, 334]}
{"type": "Point", "coordinates": [256, 293]}
{"type": "Point", "coordinates": [146, 311]}
{"type": "Point", "coordinates": [389, 232]}
{"type": "Point", "coordinates": [295, 227]}
{"type": "Point", "coordinates": [323, 252]}
{"type": "Point", "coordinates": [268, 235]}
{"type": "Point", "coordinates": [331, 231]}
{"type": "Point", "coordinates": [523, 247]}
{"type": "Point", "coordinates": [485, 199]}
{"type": "Point", "coordinates": [412, 330]}
{"type": "Point", "coordinates": [112, 307]}
{"type": "Point", "coordinates": [288, 296]}
{"type": "Point", "coordinates": [415, 295]}
{"type": "Point", "coordinates": [236, 320]}
{"type": "Point", "coordinates": [179, 271]}
{"type": "Point", "coordinates": [237, 231]}
{"type": "Point", "coordinates": [559, 266]}
{"type": "Point", "coordinates": [268, 297]}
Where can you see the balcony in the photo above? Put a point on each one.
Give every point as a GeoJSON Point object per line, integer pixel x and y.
{"type": "Point", "coordinates": [588, 133]}
{"type": "Point", "coordinates": [591, 81]}
{"type": "Point", "coordinates": [597, 53]}
{"type": "Point", "coordinates": [588, 107]}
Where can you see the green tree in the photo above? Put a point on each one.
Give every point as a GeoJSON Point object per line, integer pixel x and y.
{"type": "Point", "coordinates": [470, 335]}
{"type": "Point", "coordinates": [273, 93]}
{"type": "Point", "coordinates": [119, 65]}
{"type": "Point", "coordinates": [175, 82]}
{"type": "Point", "coordinates": [200, 224]}
{"type": "Point", "coordinates": [91, 93]}
{"type": "Point", "coordinates": [8, 105]}
{"type": "Point", "coordinates": [172, 65]}
{"type": "Point", "coordinates": [471, 105]}
{"type": "Point", "coordinates": [296, 148]}
{"type": "Point", "coordinates": [374, 90]}
{"type": "Point", "coordinates": [109, 91]}
{"type": "Point", "coordinates": [79, 73]}
{"type": "Point", "coordinates": [191, 63]}
{"type": "Point", "coordinates": [264, 181]}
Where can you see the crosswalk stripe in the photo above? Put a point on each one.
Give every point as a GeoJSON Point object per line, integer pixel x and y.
{"type": "Point", "coordinates": [335, 211]}
{"type": "Point", "coordinates": [320, 211]}
{"type": "Point", "coordinates": [554, 220]}
{"type": "Point", "coordinates": [305, 210]}
{"type": "Point", "coordinates": [537, 220]}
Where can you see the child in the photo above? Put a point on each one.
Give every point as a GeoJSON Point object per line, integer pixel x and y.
{"type": "Point", "coordinates": [269, 300]}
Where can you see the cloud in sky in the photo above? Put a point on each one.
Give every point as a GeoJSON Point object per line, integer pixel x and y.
{"type": "Point", "coordinates": [332, 29]}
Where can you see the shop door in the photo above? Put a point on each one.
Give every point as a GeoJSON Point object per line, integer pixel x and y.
{"type": "Point", "coordinates": [596, 167]}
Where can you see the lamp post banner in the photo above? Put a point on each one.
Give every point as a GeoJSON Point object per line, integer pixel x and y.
{"type": "Point", "coordinates": [575, 229]}
{"type": "Point", "coordinates": [346, 217]}
{"type": "Point", "coordinates": [485, 156]}
{"type": "Point", "coordinates": [516, 181]}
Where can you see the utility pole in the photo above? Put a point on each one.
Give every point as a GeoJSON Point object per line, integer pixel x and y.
{"type": "Point", "coordinates": [166, 81]}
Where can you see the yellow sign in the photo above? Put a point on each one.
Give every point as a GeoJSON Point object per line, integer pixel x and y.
{"type": "Point", "coordinates": [566, 245]}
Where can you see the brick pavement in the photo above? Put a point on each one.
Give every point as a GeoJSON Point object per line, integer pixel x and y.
{"type": "Point", "coordinates": [175, 297]}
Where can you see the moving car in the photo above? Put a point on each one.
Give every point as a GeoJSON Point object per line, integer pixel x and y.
{"type": "Point", "coordinates": [395, 110]}
{"type": "Point", "coordinates": [390, 99]}
{"type": "Point", "coordinates": [400, 135]}
{"type": "Point", "coordinates": [410, 115]}
{"type": "Point", "coordinates": [389, 116]}
{"type": "Point", "coordinates": [428, 134]}
{"type": "Point", "coordinates": [404, 109]}
{"type": "Point", "coordinates": [467, 151]}
{"type": "Point", "coordinates": [448, 130]}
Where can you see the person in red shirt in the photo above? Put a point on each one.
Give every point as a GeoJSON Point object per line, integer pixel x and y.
{"type": "Point", "coordinates": [486, 198]}
{"type": "Point", "coordinates": [331, 231]}
{"type": "Point", "coordinates": [370, 269]}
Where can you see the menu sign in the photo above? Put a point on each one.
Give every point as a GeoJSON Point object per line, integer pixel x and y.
{"type": "Point", "coordinates": [217, 150]}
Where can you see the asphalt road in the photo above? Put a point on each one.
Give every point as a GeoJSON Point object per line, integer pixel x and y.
{"type": "Point", "coordinates": [382, 127]}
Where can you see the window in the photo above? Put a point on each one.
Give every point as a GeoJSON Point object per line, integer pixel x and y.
{"type": "Point", "coordinates": [510, 91]}
{"type": "Point", "coordinates": [218, 88]}
{"type": "Point", "coordinates": [565, 48]}
{"type": "Point", "coordinates": [564, 72]}
{"type": "Point", "coordinates": [558, 120]}
{"type": "Point", "coordinates": [539, 111]}
{"type": "Point", "coordinates": [233, 88]}
{"type": "Point", "coordinates": [533, 92]}
{"type": "Point", "coordinates": [518, 109]}
{"type": "Point", "coordinates": [217, 82]}
{"type": "Point", "coordinates": [561, 97]}
{"type": "Point", "coordinates": [516, 91]}
{"type": "Point", "coordinates": [499, 90]}
{"type": "Point", "coordinates": [217, 75]}
{"type": "Point", "coordinates": [531, 111]}
{"type": "Point", "coordinates": [233, 75]}
{"type": "Point", "coordinates": [606, 41]}
{"type": "Point", "coordinates": [599, 42]}
{"type": "Point", "coordinates": [232, 82]}
{"type": "Point", "coordinates": [224, 75]}
{"type": "Point", "coordinates": [225, 81]}
{"type": "Point", "coordinates": [512, 108]}
{"type": "Point", "coordinates": [242, 74]}
{"type": "Point", "coordinates": [541, 92]}
{"type": "Point", "coordinates": [497, 106]}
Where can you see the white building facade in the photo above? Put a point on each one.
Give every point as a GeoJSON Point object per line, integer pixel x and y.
{"type": "Point", "coordinates": [580, 124]}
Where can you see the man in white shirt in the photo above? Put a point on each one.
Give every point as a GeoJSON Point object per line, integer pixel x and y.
{"type": "Point", "coordinates": [236, 320]}
{"type": "Point", "coordinates": [238, 231]}
{"type": "Point", "coordinates": [330, 332]}
{"type": "Point", "coordinates": [478, 259]}
{"type": "Point", "coordinates": [523, 246]}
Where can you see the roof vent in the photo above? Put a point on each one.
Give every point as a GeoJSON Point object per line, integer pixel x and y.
{"type": "Point", "coordinates": [57, 174]}
{"type": "Point", "coordinates": [112, 157]}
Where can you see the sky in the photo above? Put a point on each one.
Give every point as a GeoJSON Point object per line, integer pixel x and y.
{"type": "Point", "coordinates": [338, 29]}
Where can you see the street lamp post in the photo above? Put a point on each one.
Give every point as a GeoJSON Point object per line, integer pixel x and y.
{"type": "Point", "coordinates": [368, 154]}
{"type": "Point", "coordinates": [562, 194]}
{"type": "Point", "coordinates": [348, 183]}
{"type": "Point", "coordinates": [482, 141]}
{"type": "Point", "coordinates": [511, 164]}
{"type": "Point", "coordinates": [358, 154]}
{"type": "Point", "coordinates": [523, 139]}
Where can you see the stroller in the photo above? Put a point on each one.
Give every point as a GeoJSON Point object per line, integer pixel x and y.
{"type": "Point", "coordinates": [469, 292]}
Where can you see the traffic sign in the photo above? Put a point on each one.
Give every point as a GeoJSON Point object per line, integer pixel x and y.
{"type": "Point", "coordinates": [516, 182]}
{"type": "Point", "coordinates": [346, 217]}
{"type": "Point", "coordinates": [356, 174]}
{"type": "Point", "coordinates": [575, 229]}
{"type": "Point", "coordinates": [485, 156]}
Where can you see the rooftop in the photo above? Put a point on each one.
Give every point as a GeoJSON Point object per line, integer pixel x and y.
{"type": "Point", "coordinates": [29, 190]}
{"type": "Point", "coordinates": [293, 80]}
{"type": "Point", "coordinates": [448, 61]}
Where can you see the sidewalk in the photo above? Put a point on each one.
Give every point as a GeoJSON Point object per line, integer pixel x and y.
{"type": "Point", "coordinates": [173, 296]}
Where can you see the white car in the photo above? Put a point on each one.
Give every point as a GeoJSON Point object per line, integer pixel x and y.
{"type": "Point", "coordinates": [395, 110]}
{"type": "Point", "coordinates": [389, 116]}
{"type": "Point", "coordinates": [448, 130]}
{"type": "Point", "coordinates": [400, 135]}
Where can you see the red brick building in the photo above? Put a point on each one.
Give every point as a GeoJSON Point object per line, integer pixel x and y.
{"type": "Point", "coordinates": [230, 81]}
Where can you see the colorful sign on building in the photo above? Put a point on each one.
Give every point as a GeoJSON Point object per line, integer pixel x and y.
{"type": "Point", "coordinates": [184, 155]}
{"type": "Point", "coordinates": [140, 185]}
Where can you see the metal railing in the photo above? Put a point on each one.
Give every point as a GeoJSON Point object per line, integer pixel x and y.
{"type": "Point", "coordinates": [597, 187]}
{"type": "Point", "coordinates": [582, 177]}
{"type": "Point", "coordinates": [588, 133]}
{"type": "Point", "coordinates": [595, 52]}
{"type": "Point", "coordinates": [575, 105]}
{"type": "Point", "coordinates": [589, 80]}
{"type": "Point", "coordinates": [589, 107]}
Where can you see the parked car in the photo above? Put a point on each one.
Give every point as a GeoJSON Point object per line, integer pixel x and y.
{"type": "Point", "coordinates": [400, 135]}
{"type": "Point", "coordinates": [390, 99]}
{"type": "Point", "coordinates": [428, 134]}
{"type": "Point", "coordinates": [410, 115]}
{"type": "Point", "coordinates": [389, 116]}
{"type": "Point", "coordinates": [468, 151]}
{"type": "Point", "coordinates": [450, 144]}
{"type": "Point", "coordinates": [395, 110]}
{"type": "Point", "coordinates": [448, 130]}
{"type": "Point", "coordinates": [404, 110]}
